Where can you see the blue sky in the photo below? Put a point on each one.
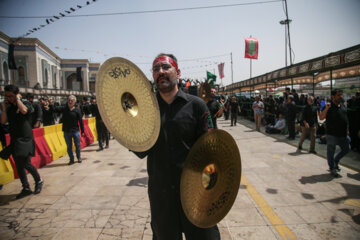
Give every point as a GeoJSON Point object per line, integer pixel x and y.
{"type": "Point", "coordinates": [318, 27]}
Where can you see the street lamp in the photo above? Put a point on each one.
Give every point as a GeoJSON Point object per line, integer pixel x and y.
{"type": "Point", "coordinates": [286, 23]}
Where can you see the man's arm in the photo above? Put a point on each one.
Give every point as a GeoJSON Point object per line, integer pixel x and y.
{"type": "Point", "coordinates": [325, 111]}
{"type": "Point", "coordinates": [3, 113]}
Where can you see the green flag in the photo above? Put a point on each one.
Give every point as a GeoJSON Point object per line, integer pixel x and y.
{"type": "Point", "coordinates": [210, 78]}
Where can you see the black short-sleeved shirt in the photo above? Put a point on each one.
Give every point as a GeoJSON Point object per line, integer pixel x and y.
{"type": "Point", "coordinates": [214, 107]}
{"type": "Point", "coordinates": [20, 128]}
{"type": "Point", "coordinates": [48, 115]}
{"type": "Point", "coordinates": [37, 114]}
{"type": "Point", "coordinates": [337, 120]}
{"type": "Point", "coordinates": [234, 107]}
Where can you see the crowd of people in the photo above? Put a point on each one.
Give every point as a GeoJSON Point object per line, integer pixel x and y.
{"type": "Point", "coordinates": [332, 120]}
{"type": "Point", "coordinates": [19, 115]}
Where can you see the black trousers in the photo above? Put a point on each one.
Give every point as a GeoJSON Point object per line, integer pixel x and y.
{"type": "Point", "coordinates": [103, 133]}
{"type": "Point", "coordinates": [21, 165]}
{"type": "Point", "coordinates": [168, 220]}
{"type": "Point", "coordinates": [291, 128]}
{"type": "Point", "coordinates": [233, 118]}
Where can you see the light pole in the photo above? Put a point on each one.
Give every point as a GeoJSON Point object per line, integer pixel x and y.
{"type": "Point", "coordinates": [286, 23]}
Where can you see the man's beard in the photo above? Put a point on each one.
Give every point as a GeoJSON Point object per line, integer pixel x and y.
{"type": "Point", "coordinates": [166, 85]}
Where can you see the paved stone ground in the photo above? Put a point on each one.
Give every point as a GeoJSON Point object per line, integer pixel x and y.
{"type": "Point", "coordinates": [283, 195]}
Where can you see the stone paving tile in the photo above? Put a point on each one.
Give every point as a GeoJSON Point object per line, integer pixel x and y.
{"type": "Point", "coordinates": [78, 233]}
{"type": "Point", "coordinates": [335, 230]}
{"type": "Point", "coordinates": [121, 234]}
{"type": "Point", "coordinates": [252, 233]}
{"type": "Point", "coordinates": [131, 218]}
{"type": "Point", "coordinates": [52, 218]}
{"type": "Point", "coordinates": [89, 218]}
{"type": "Point", "coordinates": [36, 233]}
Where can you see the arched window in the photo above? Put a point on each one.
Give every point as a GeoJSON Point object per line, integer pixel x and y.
{"type": "Point", "coordinates": [6, 73]}
{"type": "Point", "coordinates": [46, 79]}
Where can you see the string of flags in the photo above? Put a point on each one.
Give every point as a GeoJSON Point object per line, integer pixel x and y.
{"type": "Point", "coordinates": [57, 17]}
{"type": "Point", "coordinates": [205, 63]}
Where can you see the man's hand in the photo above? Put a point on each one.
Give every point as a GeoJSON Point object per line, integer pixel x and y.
{"type": "Point", "coordinates": [328, 105]}
{"type": "Point", "coordinates": [307, 125]}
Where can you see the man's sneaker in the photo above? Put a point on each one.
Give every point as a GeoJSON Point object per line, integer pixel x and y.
{"type": "Point", "coordinates": [38, 186]}
{"type": "Point", "coordinates": [79, 160]}
{"type": "Point", "coordinates": [107, 146]}
{"type": "Point", "coordinates": [337, 168]}
{"type": "Point", "coordinates": [71, 163]}
{"type": "Point", "coordinates": [99, 149]}
{"type": "Point", "coordinates": [312, 151]}
{"type": "Point", "coordinates": [334, 173]}
{"type": "Point", "coordinates": [24, 192]}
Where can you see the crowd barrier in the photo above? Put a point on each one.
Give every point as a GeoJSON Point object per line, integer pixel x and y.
{"type": "Point", "coordinates": [50, 145]}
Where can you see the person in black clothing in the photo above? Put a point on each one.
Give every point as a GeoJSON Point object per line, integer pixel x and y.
{"type": "Point", "coordinates": [291, 116]}
{"type": "Point", "coordinates": [353, 106]}
{"type": "Point", "coordinates": [216, 109]}
{"type": "Point", "coordinates": [234, 110]}
{"type": "Point", "coordinates": [36, 115]}
{"type": "Point", "coordinates": [103, 133]}
{"type": "Point", "coordinates": [22, 144]}
{"type": "Point", "coordinates": [336, 130]}
{"type": "Point", "coordinates": [85, 110]}
{"type": "Point", "coordinates": [184, 118]}
{"type": "Point", "coordinates": [308, 124]}
{"type": "Point", "coordinates": [48, 112]}
{"type": "Point", "coordinates": [71, 119]}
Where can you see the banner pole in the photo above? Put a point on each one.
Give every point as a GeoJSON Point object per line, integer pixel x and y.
{"type": "Point", "coordinates": [232, 76]}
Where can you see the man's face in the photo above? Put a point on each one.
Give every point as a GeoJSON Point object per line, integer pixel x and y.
{"type": "Point", "coordinates": [337, 98]}
{"type": "Point", "coordinates": [10, 97]}
{"type": "Point", "coordinates": [213, 92]}
{"type": "Point", "coordinates": [310, 101]}
{"type": "Point", "coordinates": [42, 102]}
{"type": "Point", "coordinates": [93, 101]}
{"type": "Point", "coordinates": [165, 76]}
{"type": "Point", "coordinates": [71, 102]}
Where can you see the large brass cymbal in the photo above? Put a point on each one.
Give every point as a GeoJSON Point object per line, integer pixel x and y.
{"type": "Point", "coordinates": [127, 104]}
{"type": "Point", "coordinates": [210, 179]}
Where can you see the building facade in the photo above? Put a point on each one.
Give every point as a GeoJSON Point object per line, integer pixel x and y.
{"type": "Point", "coordinates": [41, 72]}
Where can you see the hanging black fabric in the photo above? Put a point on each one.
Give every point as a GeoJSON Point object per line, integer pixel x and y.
{"type": "Point", "coordinates": [11, 57]}
{"type": "Point", "coordinates": [78, 74]}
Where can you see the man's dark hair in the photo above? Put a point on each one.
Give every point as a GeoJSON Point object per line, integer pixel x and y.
{"type": "Point", "coordinates": [169, 55]}
{"type": "Point", "coordinates": [42, 98]}
{"type": "Point", "coordinates": [29, 95]}
{"type": "Point", "coordinates": [287, 89]}
{"type": "Point", "coordinates": [11, 88]}
{"type": "Point", "coordinates": [93, 97]}
{"type": "Point", "coordinates": [85, 99]}
{"type": "Point", "coordinates": [335, 91]}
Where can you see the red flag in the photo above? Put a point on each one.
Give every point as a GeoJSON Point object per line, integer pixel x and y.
{"type": "Point", "coordinates": [221, 70]}
{"type": "Point", "coordinates": [251, 48]}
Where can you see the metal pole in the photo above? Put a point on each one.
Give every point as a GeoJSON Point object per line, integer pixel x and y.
{"type": "Point", "coordinates": [288, 31]}
{"type": "Point", "coordinates": [314, 85]}
{"type": "Point", "coordinates": [331, 79]}
{"type": "Point", "coordinates": [250, 67]}
{"type": "Point", "coordinates": [232, 76]}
